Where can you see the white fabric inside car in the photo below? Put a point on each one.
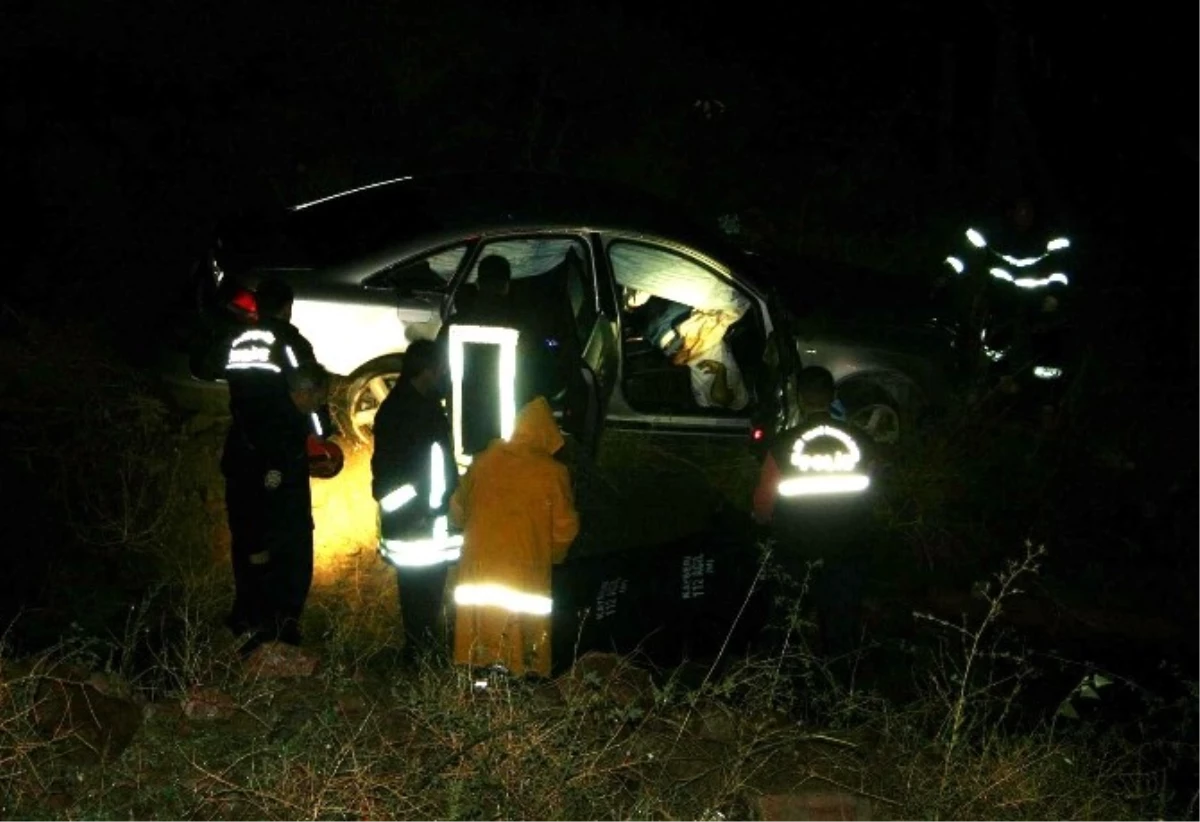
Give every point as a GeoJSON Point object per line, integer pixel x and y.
{"type": "Point", "coordinates": [673, 277]}
{"type": "Point", "coordinates": [529, 257]}
{"type": "Point", "coordinates": [445, 263]}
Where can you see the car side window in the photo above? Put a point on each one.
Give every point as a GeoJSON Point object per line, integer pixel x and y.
{"type": "Point", "coordinates": [432, 272]}
{"type": "Point", "coordinates": [544, 288]}
{"type": "Point", "coordinates": [549, 278]}
{"type": "Point", "coordinates": [665, 273]}
{"type": "Point", "coordinates": [682, 346]}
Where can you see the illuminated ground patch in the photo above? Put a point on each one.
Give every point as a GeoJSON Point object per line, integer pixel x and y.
{"type": "Point", "coordinates": [344, 514]}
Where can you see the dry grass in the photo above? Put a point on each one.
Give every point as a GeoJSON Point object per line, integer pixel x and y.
{"type": "Point", "coordinates": [364, 738]}
{"type": "Point", "coordinates": [361, 741]}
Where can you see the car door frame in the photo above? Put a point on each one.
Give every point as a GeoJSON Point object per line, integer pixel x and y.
{"type": "Point", "coordinates": [623, 416]}
{"type": "Point", "coordinates": [600, 358]}
{"type": "Point", "coordinates": [416, 299]}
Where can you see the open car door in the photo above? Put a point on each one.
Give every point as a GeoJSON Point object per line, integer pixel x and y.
{"type": "Point", "coordinates": [593, 358]}
{"type": "Point", "coordinates": [778, 409]}
{"type": "Point", "coordinates": [591, 384]}
{"type": "Point", "coordinates": [559, 340]}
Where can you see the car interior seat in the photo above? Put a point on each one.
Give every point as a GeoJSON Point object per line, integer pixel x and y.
{"type": "Point", "coordinates": [747, 346]}
{"type": "Point", "coordinates": [650, 381]}
{"type": "Point", "coordinates": [576, 292]}
{"type": "Point", "coordinates": [466, 297]}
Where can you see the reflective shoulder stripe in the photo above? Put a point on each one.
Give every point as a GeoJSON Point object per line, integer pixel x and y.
{"type": "Point", "coordinates": [844, 461]}
{"type": "Point", "coordinates": [254, 335]}
{"type": "Point", "coordinates": [1022, 262]}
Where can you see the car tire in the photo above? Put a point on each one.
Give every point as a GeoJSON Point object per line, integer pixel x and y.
{"type": "Point", "coordinates": [357, 398]}
{"type": "Point", "coordinates": [874, 410]}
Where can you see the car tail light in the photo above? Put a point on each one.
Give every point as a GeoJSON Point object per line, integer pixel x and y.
{"type": "Point", "coordinates": [244, 304]}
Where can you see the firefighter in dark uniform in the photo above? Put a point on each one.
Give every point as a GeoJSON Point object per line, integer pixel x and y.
{"type": "Point", "coordinates": [412, 477]}
{"type": "Point", "coordinates": [814, 492]}
{"type": "Point", "coordinates": [1012, 281]}
{"type": "Point", "coordinates": [276, 399]}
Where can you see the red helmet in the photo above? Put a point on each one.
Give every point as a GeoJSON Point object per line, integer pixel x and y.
{"type": "Point", "coordinates": [325, 458]}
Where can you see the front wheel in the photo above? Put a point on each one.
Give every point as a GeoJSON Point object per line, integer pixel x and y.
{"type": "Point", "coordinates": [361, 395]}
{"type": "Point", "coordinates": [873, 409]}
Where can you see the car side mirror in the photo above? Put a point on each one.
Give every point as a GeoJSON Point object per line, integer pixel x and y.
{"type": "Point", "coordinates": [418, 280]}
{"type": "Point", "coordinates": [434, 297]}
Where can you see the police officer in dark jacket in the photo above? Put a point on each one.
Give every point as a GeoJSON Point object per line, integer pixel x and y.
{"type": "Point", "coordinates": [814, 491]}
{"type": "Point", "coordinates": [412, 477]}
{"type": "Point", "coordinates": [277, 401]}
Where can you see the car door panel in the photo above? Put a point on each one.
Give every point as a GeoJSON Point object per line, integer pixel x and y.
{"type": "Point", "coordinates": [591, 387]}
{"type": "Point", "coordinates": [561, 316]}
{"type": "Point", "coordinates": [595, 375]}
{"type": "Point", "coordinates": [781, 363]}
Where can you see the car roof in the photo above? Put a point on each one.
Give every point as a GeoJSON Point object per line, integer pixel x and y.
{"type": "Point", "coordinates": [363, 220]}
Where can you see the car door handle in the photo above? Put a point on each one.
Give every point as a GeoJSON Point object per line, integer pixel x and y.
{"type": "Point", "coordinates": [428, 295]}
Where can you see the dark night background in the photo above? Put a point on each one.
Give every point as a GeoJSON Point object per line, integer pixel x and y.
{"type": "Point", "coordinates": [857, 131]}
{"type": "Point", "coordinates": [861, 130]}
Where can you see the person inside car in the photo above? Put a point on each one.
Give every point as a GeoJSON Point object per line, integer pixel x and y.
{"type": "Point", "coordinates": [696, 338]}
{"type": "Point", "coordinates": [716, 378]}
{"type": "Point", "coordinates": [493, 305]}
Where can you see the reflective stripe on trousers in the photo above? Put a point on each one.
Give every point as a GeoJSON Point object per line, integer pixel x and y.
{"type": "Point", "coordinates": [502, 596]}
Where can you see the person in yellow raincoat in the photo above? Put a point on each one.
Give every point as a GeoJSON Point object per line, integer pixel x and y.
{"type": "Point", "coordinates": [518, 517]}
